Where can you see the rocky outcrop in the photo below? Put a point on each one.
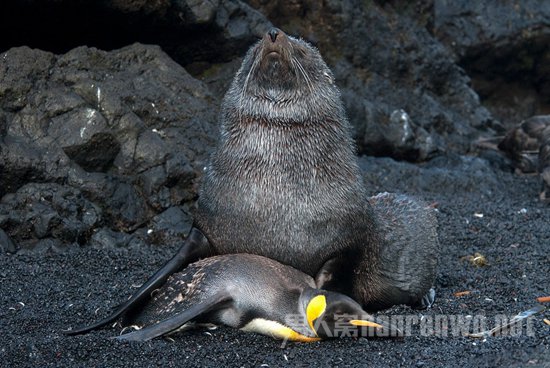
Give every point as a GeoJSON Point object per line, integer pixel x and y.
{"type": "Point", "coordinates": [192, 32]}
{"type": "Point", "coordinates": [503, 45]}
{"type": "Point", "coordinates": [384, 61]}
{"type": "Point", "coordinates": [94, 139]}
{"type": "Point", "coordinates": [528, 146]}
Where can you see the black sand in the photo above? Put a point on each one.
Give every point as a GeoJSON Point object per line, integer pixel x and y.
{"type": "Point", "coordinates": [42, 294]}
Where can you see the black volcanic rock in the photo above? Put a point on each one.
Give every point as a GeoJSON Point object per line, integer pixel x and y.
{"type": "Point", "coordinates": [96, 154]}
{"type": "Point", "coordinates": [522, 143]}
{"type": "Point", "coordinates": [39, 211]}
{"type": "Point", "coordinates": [6, 244]}
{"type": "Point", "coordinates": [468, 27]}
{"type": "Point", "coordinates": [190, 31]}
{"type": "Point", "coordinates": [384, 60]}
{"type": "Point", "coordinates": [129, 130]}
{"type": "Point", "coordinates": [544, 165]}
{"type": "Point", "coordinates": [503, 45]}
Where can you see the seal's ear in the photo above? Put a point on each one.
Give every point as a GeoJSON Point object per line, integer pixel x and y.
{"type": "Point", "coordinates": [328, 77]}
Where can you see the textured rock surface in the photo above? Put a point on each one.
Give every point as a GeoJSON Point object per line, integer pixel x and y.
{"type": "Point", "coordinates": [503, 44]}
{"type": "Point", "coordinates": [384, 61]}
{"type": "Point", "coordinates": [544, 164]}
{"type": "Point", "coordinates": [191, 31]}
{"type": "Point", "coordinates": [528, 146]}
{"type": "Point", "coordinates": [125, 133]}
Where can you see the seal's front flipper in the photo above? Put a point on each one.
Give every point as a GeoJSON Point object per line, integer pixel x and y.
{"type": "Point", "coordinates": [335, 274]}
{"type": "Point", "coordinates": [426, 302]}
{"type": "Point", "coordinates": [172, 324]}
{"type": "Point", "coordinates": [195, 246]}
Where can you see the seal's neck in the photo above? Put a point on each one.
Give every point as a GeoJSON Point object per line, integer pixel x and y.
{"type": "Point", "coordinates": [303, 151]}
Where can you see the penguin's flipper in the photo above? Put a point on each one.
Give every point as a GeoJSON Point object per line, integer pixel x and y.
{"type": "Point", "coordinates": [171, 324]}
{"type": "Point", "coordinates": [196, 245]}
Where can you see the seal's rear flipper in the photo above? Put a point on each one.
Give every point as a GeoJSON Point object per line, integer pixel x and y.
{"type": "Point", "coordinates": [195, 246]}
{"type": "Point", "coordinates": [174, 323]}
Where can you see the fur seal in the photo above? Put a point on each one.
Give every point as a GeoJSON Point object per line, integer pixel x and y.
{"type": "Point", "coordinates": [254, 294]}
{"type": "Point", "coordinates": [284, 183]}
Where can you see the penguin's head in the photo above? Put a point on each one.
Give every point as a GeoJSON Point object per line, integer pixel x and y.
{"type": "Point", "coordinates": [330, 314]}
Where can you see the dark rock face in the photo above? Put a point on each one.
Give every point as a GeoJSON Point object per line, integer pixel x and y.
{"type": "Point", "coordinates": [124, 135]}
{"type": "Point", "coordinates": [96, 154]}
{"type": "Point", "coordinates": [39, 211]}
{"type": "Point", "coordinates": [522, 143]}
{"type": "Point", "coordinates": [383, 61]}
{"type": "Point", "coordinates": [528, 146]}
{"type": "Point", "coordinates": [504, 47]}
{"type": "Point", "coordinates": [192, 32]}
{"type": "Point", "coordinates": [544, 165]}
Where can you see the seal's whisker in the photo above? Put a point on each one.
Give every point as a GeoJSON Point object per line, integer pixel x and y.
{"type": "Point", "coordinates": [302, 71]}
{"type": "Point", "coordinates": [251, 71]}
{"type": "Point", "coordinates": [241, 95]}
{"type": "Point", "coordinates": [245, 86]}
{"type": "Point", "coordinates": [306, 75]}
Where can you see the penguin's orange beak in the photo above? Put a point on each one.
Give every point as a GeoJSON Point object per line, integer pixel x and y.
{"type": "Point", "coordinates": [361, 322]}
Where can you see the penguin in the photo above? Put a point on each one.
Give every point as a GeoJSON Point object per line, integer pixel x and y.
{"type": "Point", "coordinates": [284, 183]}
{"type": "Point", "coordinates": [255, 294]}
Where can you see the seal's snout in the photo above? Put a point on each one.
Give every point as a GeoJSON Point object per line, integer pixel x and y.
{"type": "Point", "coordinates": [275, 37]}
{"type": "Point", "coordinates": [274, 44]}
{"type": "Point", "coordinates": [273, 33]}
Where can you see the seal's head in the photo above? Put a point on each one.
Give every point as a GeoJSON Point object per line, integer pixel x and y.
{"type": "Point", "coordinates": [283, 79]}
{"type": "Point", "coordinates": [280, 63]}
